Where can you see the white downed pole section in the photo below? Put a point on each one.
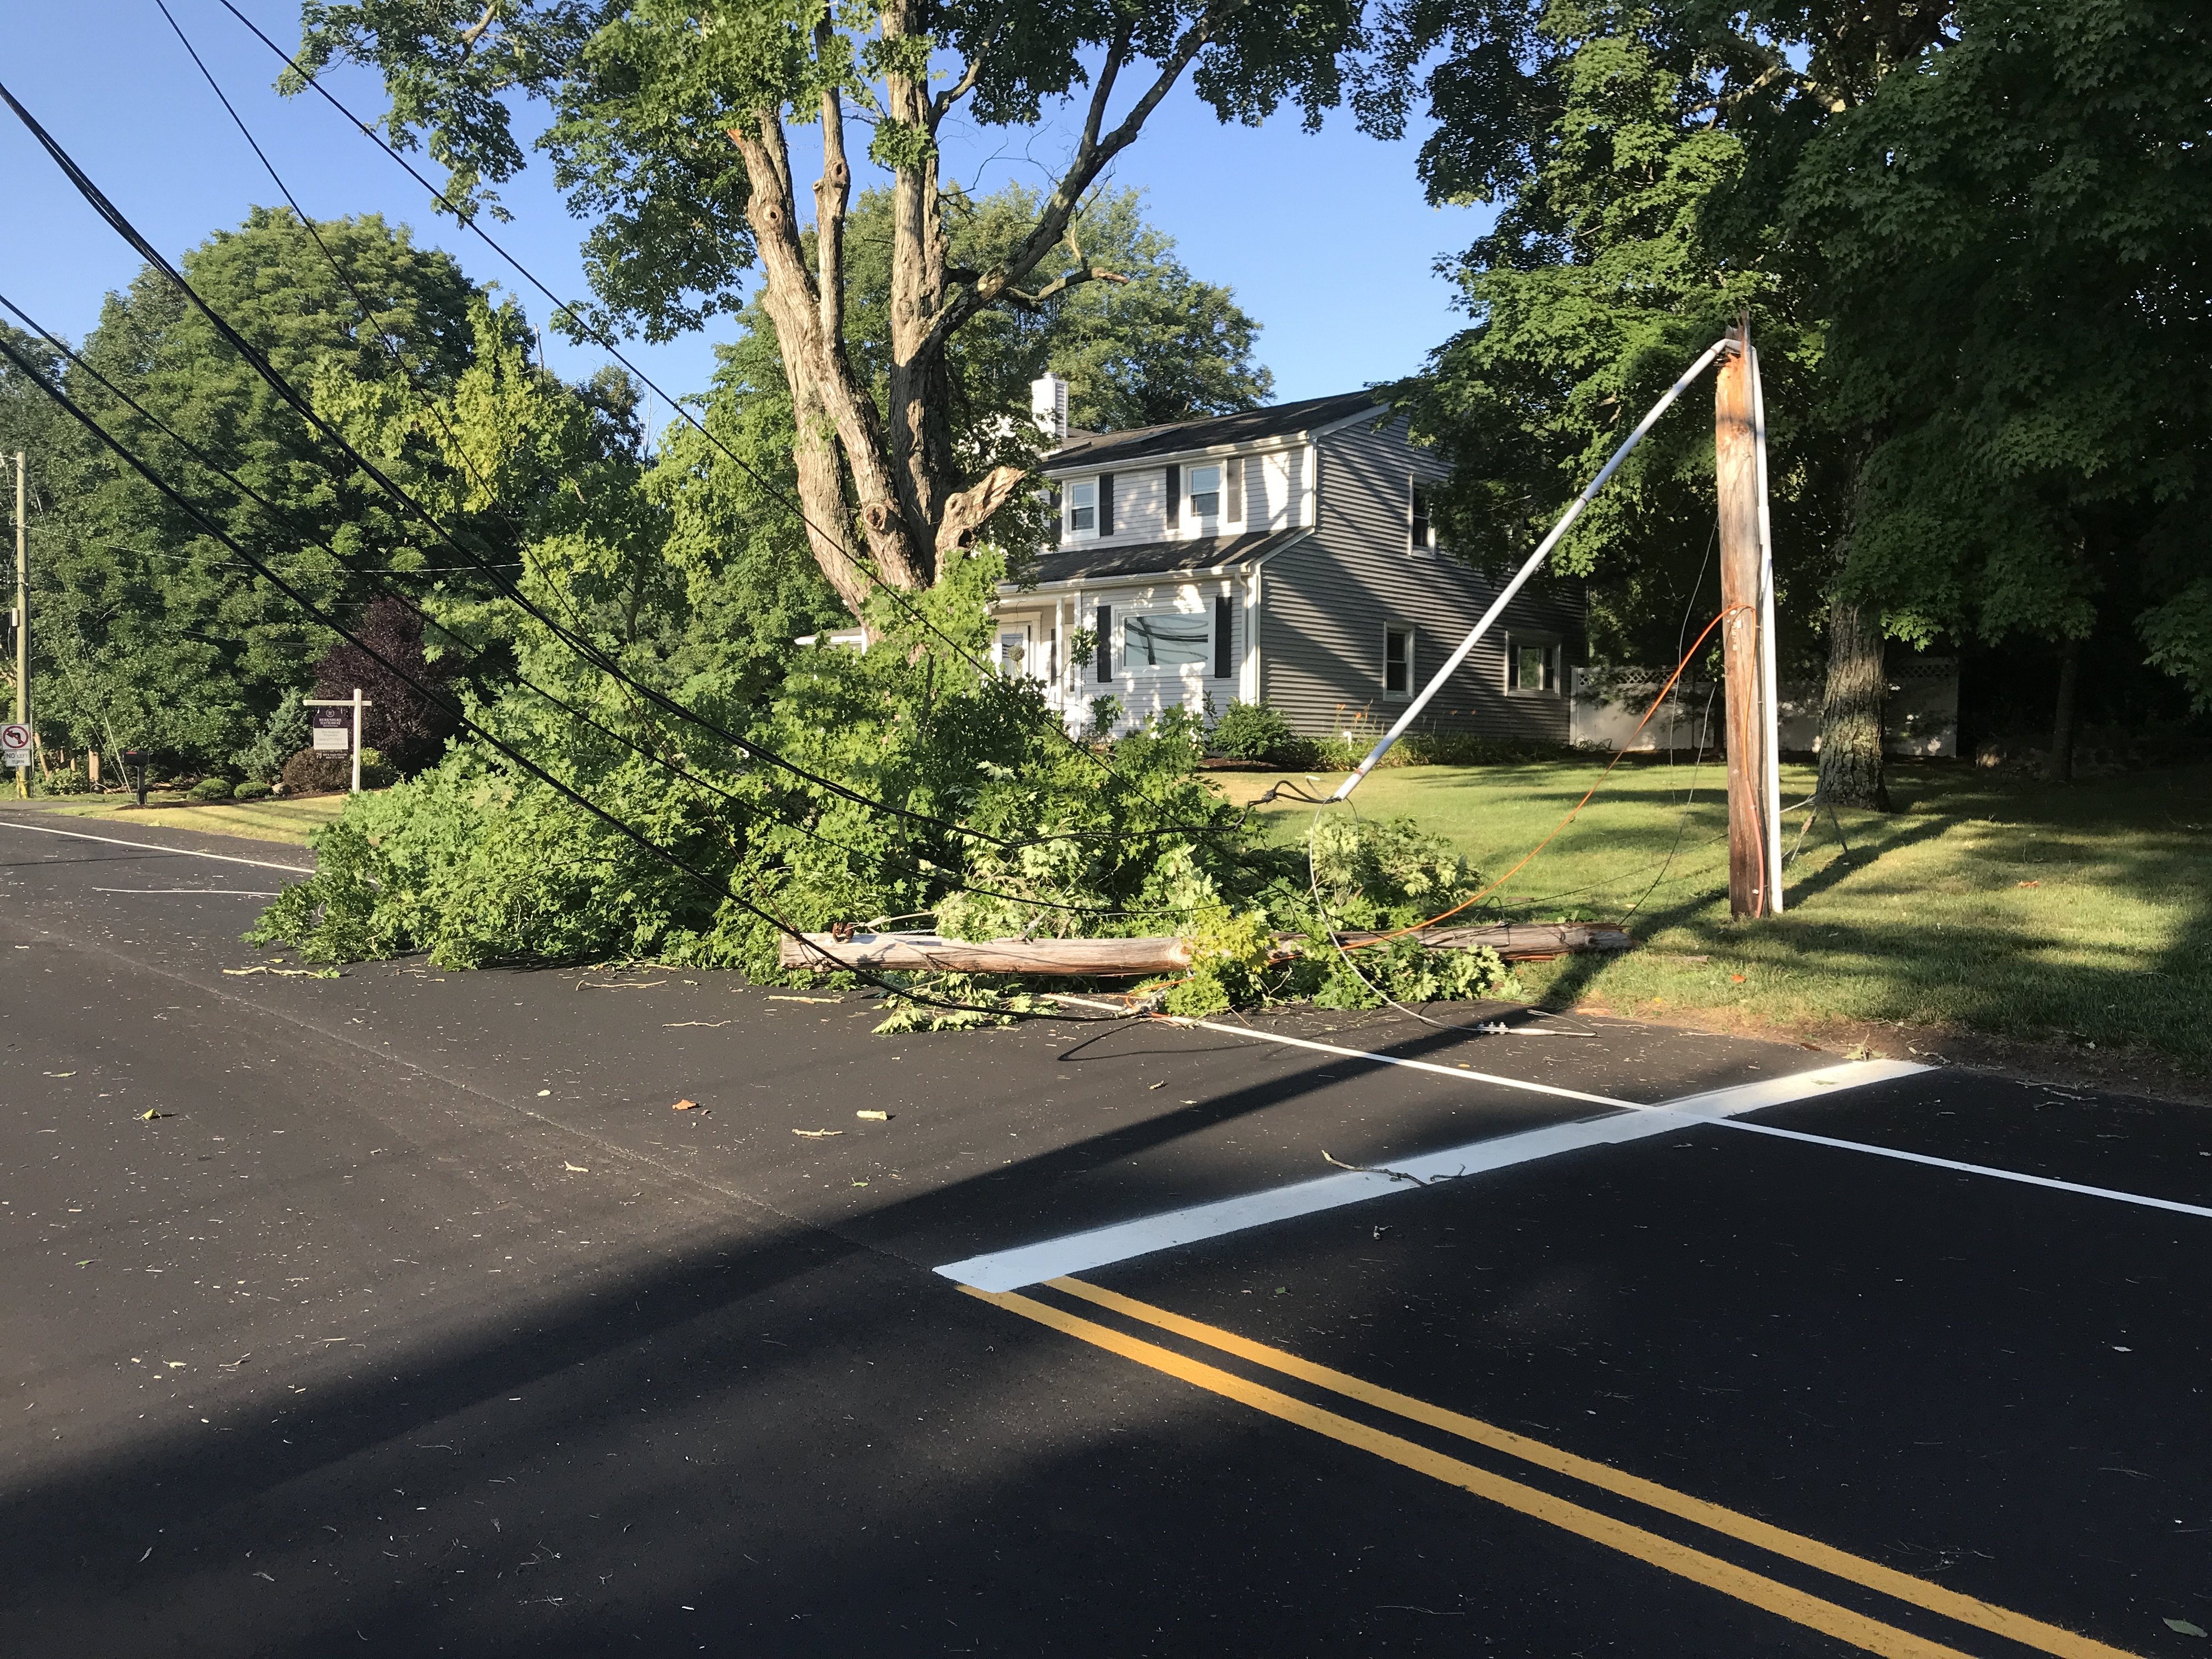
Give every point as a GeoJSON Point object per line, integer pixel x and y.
{"type": "Point", "coordinates": [1535, 562]}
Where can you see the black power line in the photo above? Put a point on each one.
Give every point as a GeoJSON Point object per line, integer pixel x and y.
{"type": "Point", "coordinates": [575, 314]}
{"type": "Point", "coordinates": [675, 860]}
{"type": "Point", "coordinates": [589, 652]}
{"type": "Point", "coordinates": [302, 539]}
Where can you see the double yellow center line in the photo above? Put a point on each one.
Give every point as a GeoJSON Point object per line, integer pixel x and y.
{"type": "Point", "coordinates": [1784, 1600]}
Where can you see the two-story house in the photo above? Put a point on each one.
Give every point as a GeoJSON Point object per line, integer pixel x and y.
{"type": "Point", "coordinates": [1283, 556]}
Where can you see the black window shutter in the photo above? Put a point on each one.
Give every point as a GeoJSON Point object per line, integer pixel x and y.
{"type": "Point", "coordinates": [1105, 657]}
{"type": "Point", "coordinates": [1222, 659]}
{"type": "Point", "coordinates": [1105, 503]}
{"type": "Point", "coordinates": [1233, 476]}
{"type": "Point", "coordinates": [1175, 495]}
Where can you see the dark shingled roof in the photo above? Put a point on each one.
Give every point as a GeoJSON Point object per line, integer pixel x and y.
{"type": "Point", "coordinates": [1111, 448]}
{"type": "Point", "coordinates": [1149, 558]}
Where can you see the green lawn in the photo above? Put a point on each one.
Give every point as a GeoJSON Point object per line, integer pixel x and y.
{"type": "Point", "coordinates": [261, 820]}
{"type": "Point", "coordinates": [2079, 913]}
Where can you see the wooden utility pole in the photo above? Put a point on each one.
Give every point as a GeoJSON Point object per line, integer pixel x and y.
{"type": "Point", "coordinates": [22, 627]}
{"type": "Point", "coordinates": [1735, 473]}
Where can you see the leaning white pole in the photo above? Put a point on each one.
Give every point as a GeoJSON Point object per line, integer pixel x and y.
{"type": "Point", "coordinates": [1535, 562]}
{"type": "Point", "coordinates": [1772, 781]}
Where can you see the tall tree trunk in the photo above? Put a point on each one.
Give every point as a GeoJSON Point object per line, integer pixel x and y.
{"type": "Point", "coordinates": [2060, 766]}
{"type": "Point", "coordinates": [814, 361]}
{"type": "Point", "coordinates": [919, 390]}
{"type": "Point", "coordinates": [821, 492]}
{"type": "Point", "coordinates": [1851, 711]}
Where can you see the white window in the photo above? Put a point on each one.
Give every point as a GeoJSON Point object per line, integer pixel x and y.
{"type": "Point", "coordinates": [1532, 667]}
{"type": "Point", "coordinates": [1424, 528]}
{"type": "Point", "coordinates": [1397, 662]}
{"type": "Point", "coordinates": [1205, 492]}
{"type": "Point", "coordinates": [1083, 505]}
{"type": "Point", "coordinates": [1166, 642]}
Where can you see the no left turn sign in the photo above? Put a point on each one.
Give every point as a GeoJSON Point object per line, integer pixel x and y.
{"type": "Point", "coordinates": [14, 737]}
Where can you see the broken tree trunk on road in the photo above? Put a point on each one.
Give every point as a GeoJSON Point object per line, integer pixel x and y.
{"type": "Point", "coordinates": [1104, 958]}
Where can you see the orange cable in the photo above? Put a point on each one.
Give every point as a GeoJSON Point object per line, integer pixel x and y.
{"type": "Point", "coordinates": [1381, 938]}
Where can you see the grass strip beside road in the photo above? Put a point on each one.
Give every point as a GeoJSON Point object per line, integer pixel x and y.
{"type": "Point", "coordinates": [2076, 913]}
{"type": "Point", "coordinates": [288, 821]}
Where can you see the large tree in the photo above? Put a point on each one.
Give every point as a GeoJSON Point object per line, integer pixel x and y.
{"type": "Point", "coordinates": [149, 632]}
{"type": "Point", "coordinates": [2017, 238]}
{"type": "Point", "coordinates": [671, 130]}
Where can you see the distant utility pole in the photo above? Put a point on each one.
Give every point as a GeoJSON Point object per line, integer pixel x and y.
{"type": "Point", "coordinates": [22, 628]}
{"type": "Point", "coordinates": [1745, 575]}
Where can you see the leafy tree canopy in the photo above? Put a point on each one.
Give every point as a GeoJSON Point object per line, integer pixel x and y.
{"type": "Point", "coordinates": [2019, 238]}
{"type": "Point", "coordinates": [671, 128]}
{"type": "Point", "coordinates": [151, 634]}
{"type": "Point", "coordinates": [1629, 148]}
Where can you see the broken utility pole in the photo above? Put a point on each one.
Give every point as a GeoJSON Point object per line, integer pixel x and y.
{"type": "Point", "coordinates": [1750, 726]}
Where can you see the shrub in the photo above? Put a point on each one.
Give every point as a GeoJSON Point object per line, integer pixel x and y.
{"type": "Point", "coordinates": [312, 773]}
{"type": "Point", "coordinates": [376, 772]}
{"type": "Point", "coordinates": [252, 789]}
{"type": "Point", "coordinates": [285, 732]}
{"type": "Point", "coordinates": [1252, 731]}
{"type": "Point", "coordinates": [65, 783]}
{"type": "Point", "coordinates": [211, 789]}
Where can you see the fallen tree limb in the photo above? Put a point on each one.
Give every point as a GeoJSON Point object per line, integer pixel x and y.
{"type": "Point", "coordinates": [928, 952]}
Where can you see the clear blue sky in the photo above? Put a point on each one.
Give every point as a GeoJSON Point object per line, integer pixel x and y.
{"type": "Point", "coordinates": [1325, 238]}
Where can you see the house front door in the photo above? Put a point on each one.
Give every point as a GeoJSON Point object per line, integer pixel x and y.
{"type": "Point", "coordinates": [1018, 649]}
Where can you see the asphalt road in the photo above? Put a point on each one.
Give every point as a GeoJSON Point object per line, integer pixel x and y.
{"type": "Point", "coordinates": [398, 1313]}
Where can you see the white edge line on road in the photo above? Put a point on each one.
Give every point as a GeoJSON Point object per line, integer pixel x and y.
{"type": "Point", "coordinates": [1032, 1264]}
{"type": "Point", "coordinates": [2022, 1176]}
{"type": "Point", "coordinates": [155, 847]}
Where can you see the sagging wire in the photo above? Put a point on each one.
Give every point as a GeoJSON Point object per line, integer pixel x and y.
{"type": "Point", "coordinates": [721, 889]}
{"type": "Point", "coordinates": [1682, 822]}
{"type": "Point", "coordinates": [1619, 754]}
{"type": "Point", "coordinates": [583, 648]}
{"type": "Point", "coordinates": [303, 539]}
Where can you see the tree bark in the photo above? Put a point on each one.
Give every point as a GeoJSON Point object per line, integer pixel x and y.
{"type": "Point", "coordinates": [1851, 711]}
{"type": "Point", "coordinates": [823, 952]}
{"type": "Point", "coordinates": [2059, 768]}
{"type": "Point", "coordinates": [817, 366]}
{"type": "Point", "coordinates": [918, 391]}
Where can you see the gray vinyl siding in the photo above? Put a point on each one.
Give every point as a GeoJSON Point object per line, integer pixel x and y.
{"type": "Point", "coordinates": [1329, 600]}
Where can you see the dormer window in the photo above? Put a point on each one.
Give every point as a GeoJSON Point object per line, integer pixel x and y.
{"type": "Point", "coordinates": [1205, 492]}
{"type": "Point", "coordinates": [1083, 505]}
